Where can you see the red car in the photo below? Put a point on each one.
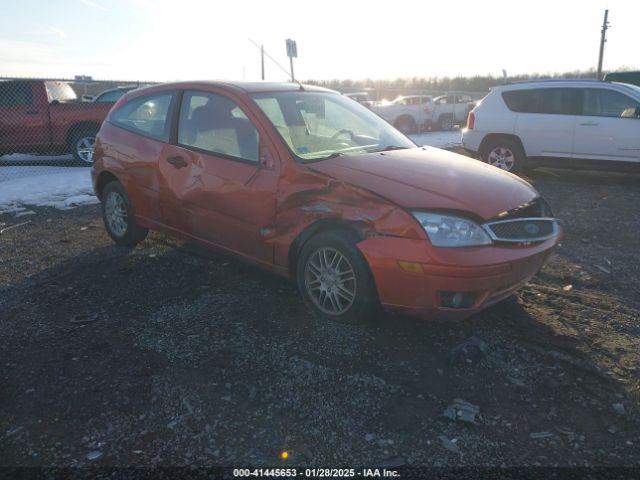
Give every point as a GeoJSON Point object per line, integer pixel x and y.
{"type": "Point", "coordinates": [312, 185]}
{"type": "Point", "coordinates": [39, 116]}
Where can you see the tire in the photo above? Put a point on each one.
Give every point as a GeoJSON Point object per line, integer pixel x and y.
{"type": "Point", "coordinates": [81, 144]}
{"type": "Point", "coordinates": [504, 153]}
{"type": "Point", "coordinates": [445, 123]}
{"type": "Point", "coordinates": [405, 124]}
{"type": "Point", "coordinates": [119, 217]}
{"type": "Point", "coordinates": [348, 273]}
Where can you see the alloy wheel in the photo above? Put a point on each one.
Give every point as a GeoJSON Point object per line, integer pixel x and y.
{"type": "Point", "coordinates": [116, 214]}
{"type": "Point", "coordinates": [84, 148]}
{"type": "Point", "coordinates": [503, 158]}
{"type": "Point", "coordinates": [330, 281]}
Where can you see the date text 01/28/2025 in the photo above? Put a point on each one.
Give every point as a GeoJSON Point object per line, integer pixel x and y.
{"type": "Point", "coordinates": [315, 472]}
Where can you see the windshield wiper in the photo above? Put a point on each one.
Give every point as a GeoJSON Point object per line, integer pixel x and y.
{"type": "Point", "coordinates": [334, 155]}
{"type": "Point", "coordinates": [388, 148]}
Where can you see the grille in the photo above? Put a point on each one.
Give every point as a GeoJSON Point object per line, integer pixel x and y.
{"type": "Point", "coordinates": [522, 229]}
{"type": "Point", "coordinates": [536, 208]}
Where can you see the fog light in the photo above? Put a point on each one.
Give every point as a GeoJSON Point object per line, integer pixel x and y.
{"type": "Point", "coordinates": [457, 299]}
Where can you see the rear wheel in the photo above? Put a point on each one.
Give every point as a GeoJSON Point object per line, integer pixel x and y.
{"type": "Point", "coordinates": [505, 154]}
{"type": "Point", "coordinates": [118, 216]}
{"type": "Point", "coordinates": [405, 124]}
{"type": "Point", "coordinates": [334, 279]}
{"type": "Point", "coordinates": [445, 122]}
{"type": "Point", "coordinates": [82, 143]}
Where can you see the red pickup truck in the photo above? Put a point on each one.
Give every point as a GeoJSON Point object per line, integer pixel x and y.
{"type": "Point", "coordinates": [39, 116]}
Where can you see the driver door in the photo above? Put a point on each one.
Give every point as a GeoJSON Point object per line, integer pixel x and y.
{"type": "Point", "coordinates": [219, 178]}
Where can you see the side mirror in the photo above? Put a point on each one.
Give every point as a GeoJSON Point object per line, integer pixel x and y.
{"type": "Point", "coordinates": [266, 159]}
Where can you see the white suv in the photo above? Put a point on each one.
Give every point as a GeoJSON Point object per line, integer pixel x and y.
{"type": "Point", "coordinates": [562, 123]}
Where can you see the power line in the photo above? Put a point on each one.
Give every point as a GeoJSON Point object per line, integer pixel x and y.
{"type": "Point", "coordinates": [265, 53]}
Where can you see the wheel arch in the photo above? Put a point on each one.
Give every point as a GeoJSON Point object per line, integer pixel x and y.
{"type": "Point", "coordinates": [77, 127]}
{"type": "Point", "coordinates": [103, 179]}
{"type": "Point", "coordinates": [353, 228]}
{"type": "Point", "coordinates": [496, 136]}
{"type": "Point", "coordinates": [404, 116]}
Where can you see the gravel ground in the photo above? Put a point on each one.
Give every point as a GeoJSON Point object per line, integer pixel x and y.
{"type": "Point", "coordinates": [170, 355]}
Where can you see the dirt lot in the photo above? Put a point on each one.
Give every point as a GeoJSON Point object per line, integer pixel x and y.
{"type": "Point", "coordinates": [170, 355]}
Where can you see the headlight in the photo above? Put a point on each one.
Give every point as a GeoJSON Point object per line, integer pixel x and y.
{"type": "Point", "coordinates": [450, 231]}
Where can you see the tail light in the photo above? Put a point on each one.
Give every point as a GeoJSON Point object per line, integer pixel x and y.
{"type": "Point", "coordinates": [471, 121]}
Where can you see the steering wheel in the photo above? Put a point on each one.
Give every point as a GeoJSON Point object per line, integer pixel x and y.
{"type": "Point", "coordinates": [344, 131]}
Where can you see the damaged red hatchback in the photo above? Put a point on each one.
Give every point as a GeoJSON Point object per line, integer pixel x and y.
{"type": "Point", "coordinates": [312, 185]}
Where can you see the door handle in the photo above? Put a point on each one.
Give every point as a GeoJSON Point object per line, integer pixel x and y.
{"type": "Point", "coordinates": [31, 112]}
{"type": "Point", "coordinates": [589, 124]}
{"type": "Point", "coordinates": [177, 162]}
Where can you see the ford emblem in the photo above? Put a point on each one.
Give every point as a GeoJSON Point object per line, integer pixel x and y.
{"type": "Point", "coordinates": [532, 228]}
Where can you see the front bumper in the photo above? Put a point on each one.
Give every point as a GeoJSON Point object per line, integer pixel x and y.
{"type": "Point", "coordinates": [488, 274]}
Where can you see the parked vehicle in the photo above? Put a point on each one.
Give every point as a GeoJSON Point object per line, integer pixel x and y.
{"type": "Point", "coordinates": [42, 116]}
{"type": "Point", "coordinates": [313, 186]}
{"type": "Point", "coordinates": [361, 97]}
{"type": "Point", "coordinates": [407, 114]}
{"type": "Point", "coordinates": [632, 78]}
{"type": "Point", "coordinates": [112, 95]}
{"type": "Point", "coordinates": [450, 110]}
{"type": "Point", "coordinates": [562, 123]}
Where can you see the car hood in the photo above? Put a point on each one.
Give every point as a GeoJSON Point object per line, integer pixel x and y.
{"type": "Point", "coordinates": [431, 178]}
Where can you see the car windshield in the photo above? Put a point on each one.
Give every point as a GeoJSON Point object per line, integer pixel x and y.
{"type": "Point", "coordinates": [321, 125]}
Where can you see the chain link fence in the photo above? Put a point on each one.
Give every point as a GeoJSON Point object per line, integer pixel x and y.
{"type": "Point", "coordinates": [49, 125]}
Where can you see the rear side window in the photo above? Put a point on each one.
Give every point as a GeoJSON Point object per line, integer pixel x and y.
{"type": "Point", "coordinates": [608, 103]}
{"type": "Point", "coordinates": [13, 94]}
{"type": "Point", "coordinates": [60, 92]}
{"type": "Point", "coordinates": [148, 115]}
{"type": "Point", "coordinates": [556, 101]}
{"type": "Point", "coordinates": [216, 124]}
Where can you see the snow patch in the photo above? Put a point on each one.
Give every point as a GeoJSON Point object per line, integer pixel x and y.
{"type": "Point", "coordinates": [67, 189]}
{"type": "Point", "coordinates": [438, 139]}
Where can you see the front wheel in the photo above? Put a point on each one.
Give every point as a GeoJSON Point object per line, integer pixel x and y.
{"type": "Point", "coordinates": [334, 279]}
{"type": "Point", "coordinates": [118, 216]}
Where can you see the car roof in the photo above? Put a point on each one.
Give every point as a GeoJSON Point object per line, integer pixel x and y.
{"type": "Point", "coordinates": [564, 83]}
{"type": "Point", "coordinates": [248, 87]}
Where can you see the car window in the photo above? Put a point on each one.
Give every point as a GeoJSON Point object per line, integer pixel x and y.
{"type": "Point", "coordinates": [615, 104]}
{"type": "Point", "coordinates": [147, 115]}
{"type": "Point", "coordinates": [60, 92]}
{"type": "Point", "coordinates": [15, 93]}
{"type": "Point", "coordinates": [558, 101]}
{"type": "Point", "coordinates": [216, 124]}
{"type": "Point", "coordinates": [608, 103]}
{"type": "Point", "coordinates": [112, 96]}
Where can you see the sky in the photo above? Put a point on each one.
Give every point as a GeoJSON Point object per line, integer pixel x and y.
{"type": "Point", "coordinates": [164, 40]}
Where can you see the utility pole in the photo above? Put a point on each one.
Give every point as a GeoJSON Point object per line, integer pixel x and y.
{"type": "Point", "coordinates": [603, 39]}
{"type": "Point", "coordinates": [262, 59]}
